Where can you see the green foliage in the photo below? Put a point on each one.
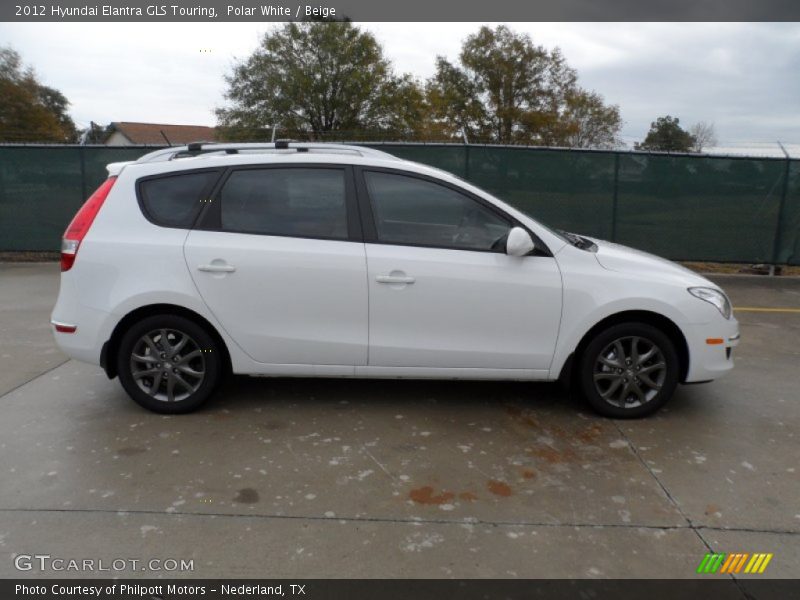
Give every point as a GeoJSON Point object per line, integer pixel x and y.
{"type": "Point", "coordinates": [508, 90]}
{"type": "Point", "coordinates": [666, 135]}
{"type": "Point", "coordinates": [584, 122]}
{"type": "Point", "coordinates": [315, 78]}
{"type": "Point", "coordinates": [455, 103]}
{"type": "Point", "coordinates": [330, 80]}
{"type": "Point", "coordinates": [29, 110]}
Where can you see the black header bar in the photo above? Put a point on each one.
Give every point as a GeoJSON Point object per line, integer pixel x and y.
{"type": "Point", "coordinates": [392, 10]}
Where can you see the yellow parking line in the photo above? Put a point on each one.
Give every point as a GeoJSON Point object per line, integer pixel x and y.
{"type": "Point", "coordinates": [766, 310]}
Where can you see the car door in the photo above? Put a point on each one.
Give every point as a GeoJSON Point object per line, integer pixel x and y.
{"type": "Point", "coordinates": [277, 257]}
{"type": "Point", "coordinates": [442, 292]}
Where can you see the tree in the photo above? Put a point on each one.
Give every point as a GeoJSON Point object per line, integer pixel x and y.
{"type": "Point", "coordinates": [57, 104]}
{"type": "Point", "coordinates": [94, 134]}
{"type": "Point", "coordinates": [407, 109]}
{"type": "Point", "coordinates": [29, 110]}
{"type": "Point", "coordinates": [704, 134]}
{"type": "Point", "coordinates": [667, 135]}
{"type": "Point", "coordinates": [455, 103]}
{"type": "Point", "coordinates": [508, 90]}
{"type": "Point", "coordinates": [317, 78]}
{"type": "Point", "coordinates": [584, 122]}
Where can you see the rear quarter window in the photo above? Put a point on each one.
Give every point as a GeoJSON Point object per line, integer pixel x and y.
{"type": "Point", "coordinates": [175, 200]}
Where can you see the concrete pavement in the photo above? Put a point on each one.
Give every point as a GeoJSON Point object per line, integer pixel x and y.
{"type": "Point", "coordinates": [338, 478]}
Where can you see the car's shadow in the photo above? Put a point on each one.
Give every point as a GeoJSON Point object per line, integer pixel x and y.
{"type": "Point", "coordinates": [244, 393]}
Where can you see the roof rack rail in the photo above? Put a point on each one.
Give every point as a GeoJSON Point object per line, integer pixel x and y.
{"type": "Point", "coordinates": [281, 146]}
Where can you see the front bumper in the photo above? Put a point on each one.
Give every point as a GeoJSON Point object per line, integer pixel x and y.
{"type": "Point", "coordinates": [711, 349]}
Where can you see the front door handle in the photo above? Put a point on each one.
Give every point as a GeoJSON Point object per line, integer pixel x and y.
{"type": "Point", "coordinates": [214, 268]}
{"type": "Point", "coordinates": [394, 279]}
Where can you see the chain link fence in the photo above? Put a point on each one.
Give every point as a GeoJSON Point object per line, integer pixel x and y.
{"type": "Point", "coordinates": [683, 207]}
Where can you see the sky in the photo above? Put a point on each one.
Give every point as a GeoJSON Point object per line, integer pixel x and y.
{"type": "Point", "coordinates": [742, 77]}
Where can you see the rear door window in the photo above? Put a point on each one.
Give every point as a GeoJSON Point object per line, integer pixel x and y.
{"type": "Point", "coordinates": [296, 202]}
{"type": "Point", "coordinates": [175, 200]}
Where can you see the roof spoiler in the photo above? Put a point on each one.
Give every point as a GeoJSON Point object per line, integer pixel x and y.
{"type": "Point", "coordinates": [115, 168]}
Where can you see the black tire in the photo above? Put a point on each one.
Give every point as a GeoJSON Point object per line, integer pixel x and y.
{"type": "Point", "coordinates": [616, 388]}
{"type": "Point", "coordinates": [175, 386]}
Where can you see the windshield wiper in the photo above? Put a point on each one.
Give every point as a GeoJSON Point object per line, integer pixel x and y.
{"type": "Point", "coordinates": [577, 241]}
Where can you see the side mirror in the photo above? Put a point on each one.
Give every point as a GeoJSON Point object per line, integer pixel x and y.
{"type": "Point", "coordinates": [519, 242]}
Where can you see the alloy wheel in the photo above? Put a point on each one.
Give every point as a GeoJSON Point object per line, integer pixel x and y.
{"type": "Point", "coordinates": [629, 372]}
{"type": "Point", "coordinates": [168, 365]}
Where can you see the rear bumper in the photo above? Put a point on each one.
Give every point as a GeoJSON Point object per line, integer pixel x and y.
{"type": "Point", "coordinates": [92, 328]}
{"type": "Point", "coordinates": [711, 349]}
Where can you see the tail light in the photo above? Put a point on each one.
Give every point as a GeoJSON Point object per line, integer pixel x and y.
{"type": "Point", "coordinates": [79, 226]}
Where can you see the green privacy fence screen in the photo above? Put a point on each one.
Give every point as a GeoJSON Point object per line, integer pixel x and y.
{"type": "Point", "coordinates": [733, 209]}
{"type": "Point", "coordinates": [42, 187]}
{"type": "Point", "coordinates": [727, 209]}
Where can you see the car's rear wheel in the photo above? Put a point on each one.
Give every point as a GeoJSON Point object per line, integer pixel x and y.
{"type": "Point", "coordinates": [168, 364]}
{"type": "Point", "coordinates": [629, 370]}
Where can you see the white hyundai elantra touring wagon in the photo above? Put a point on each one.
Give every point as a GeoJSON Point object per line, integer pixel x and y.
{"type": "Point", "coordinates": [318, 260]}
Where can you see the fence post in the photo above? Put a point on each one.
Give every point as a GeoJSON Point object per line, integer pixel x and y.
{"type": "Point", "coordinates": [83, 174]}
{"type": "Point", "coordinates": [776, 248]}
{"type": "Point", "coordinates": [614, 199]}
{"type": "Point", "coordinates": [466, 162]}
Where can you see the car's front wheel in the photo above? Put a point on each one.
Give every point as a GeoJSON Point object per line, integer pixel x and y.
{"type": "Point", "coordinates": [168, 364]}
{"type": "Point", "coordinates": [629, 370]}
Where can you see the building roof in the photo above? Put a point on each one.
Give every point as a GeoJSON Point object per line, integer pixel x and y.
{"type": "Point", "coordinates": [153, 133]}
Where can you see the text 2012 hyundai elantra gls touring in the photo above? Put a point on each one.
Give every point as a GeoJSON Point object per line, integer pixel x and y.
{"type": "Point", "coordinates": [338, 261]}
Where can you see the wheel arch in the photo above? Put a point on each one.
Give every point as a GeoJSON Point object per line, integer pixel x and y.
{"type": "Point", "coordinates": [665, 324]}
{"type": "Point", "coordinates": [108, 355]}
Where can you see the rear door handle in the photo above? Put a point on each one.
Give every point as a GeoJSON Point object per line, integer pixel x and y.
{"type": "Point", "coordinates": [394, 279]}
{"type": "Point", "coordinates": [217, 268]}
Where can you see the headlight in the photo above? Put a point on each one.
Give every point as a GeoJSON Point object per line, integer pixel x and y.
{"type": "Point", "coordinates": [714, 297]}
